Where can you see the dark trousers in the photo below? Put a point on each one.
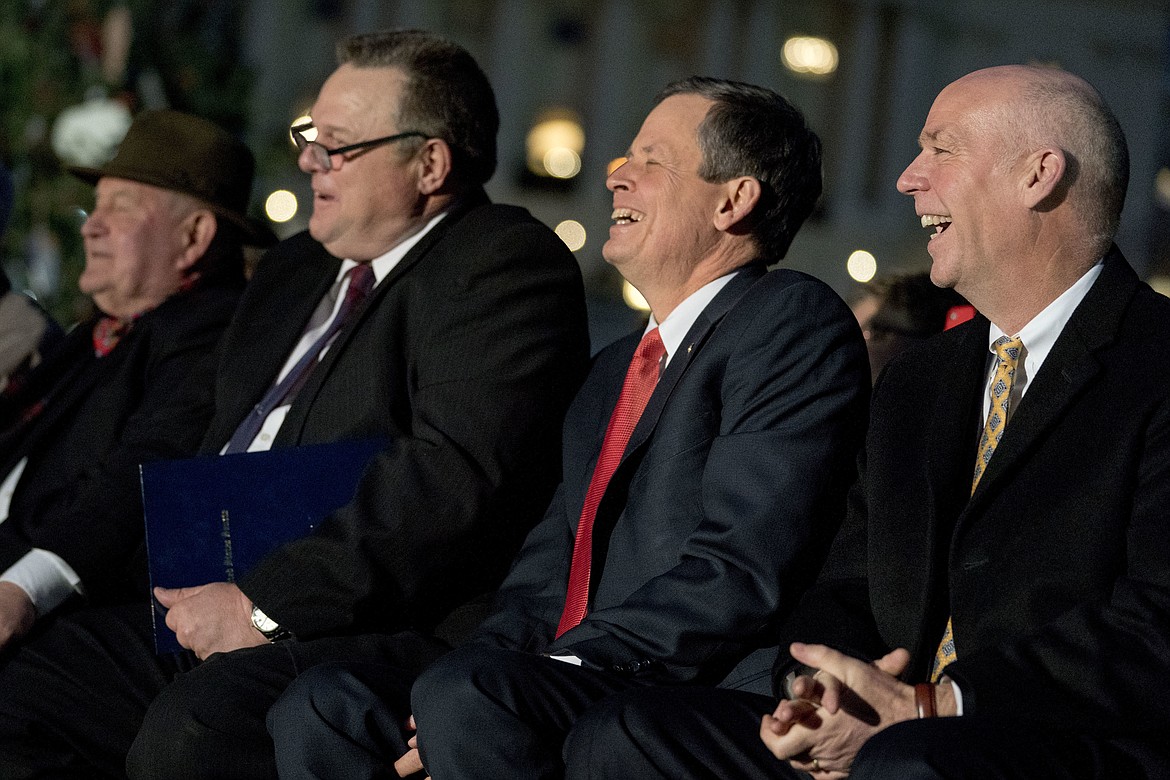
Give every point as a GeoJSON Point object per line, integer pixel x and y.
{"type": "Point", "coordinates": [72, 695]}
{"type": "Point", "coordinates": [485, 712]}
{"type": "Point", "coordinates": [707, 733]}
{"type": "Point", "coordinates": [343, 720]}
{"type": "Point", "coordinates": [211, 722]}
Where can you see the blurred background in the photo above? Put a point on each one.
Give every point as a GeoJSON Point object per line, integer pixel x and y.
{"type": "Point", "coordinates": [573, 79]}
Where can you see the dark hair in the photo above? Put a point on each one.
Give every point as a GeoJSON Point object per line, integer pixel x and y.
{"type": "Point", "coordinates": [753, 131]}
{"type": "Point", "coordinates": [910, 304]}
{"type": "Point", "coordinates": [447, 95]}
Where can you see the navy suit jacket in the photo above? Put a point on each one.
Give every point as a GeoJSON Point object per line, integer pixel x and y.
{"type": "Point", "coordinates": [727, 496]}
{"type": "Point", "coordinates": [1057, 569]}
{"type": "Point", "coordinates": [465, 356]}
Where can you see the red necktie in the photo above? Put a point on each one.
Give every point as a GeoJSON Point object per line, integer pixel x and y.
{"type": "Point", "coordinates": [641, 378]}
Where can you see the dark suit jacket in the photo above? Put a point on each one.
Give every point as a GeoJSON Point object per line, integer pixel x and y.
{"type": "Point", "coordinates": [1057, 569]}
{"type": "Point", "coordinates": [466, 357]}
{"type": "Point", "coordinates": [78, 496]}
{"type": "Point", "coordinates": [729, 492]}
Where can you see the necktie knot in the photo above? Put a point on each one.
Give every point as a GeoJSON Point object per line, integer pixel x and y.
{"type": "Point", "coordinates": [1007, 348]}
{"type": "Point", "coordinates": [107, 332]}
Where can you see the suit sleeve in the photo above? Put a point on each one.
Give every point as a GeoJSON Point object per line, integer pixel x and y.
{"type": "Point", "coordinates": [791, 408]}
{"type": "Point", "coordinates": [438, 515]}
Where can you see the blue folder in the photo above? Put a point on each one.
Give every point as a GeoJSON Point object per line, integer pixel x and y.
{"type": "Point", "coordinates": [212, 518]}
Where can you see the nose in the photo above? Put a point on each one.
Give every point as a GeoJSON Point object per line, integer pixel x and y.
{"type": "Point", "coordinates": [309, 162]}
{"type": "Point", "coordinates": [93, 225]}
{"type": "Point", "coordinates": [913, 179]}
{"type": "Point", "coordinates": [618, 178]}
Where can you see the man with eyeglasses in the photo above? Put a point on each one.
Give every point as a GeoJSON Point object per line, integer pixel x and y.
{"type": "Point", "coordinates": [463, 340]}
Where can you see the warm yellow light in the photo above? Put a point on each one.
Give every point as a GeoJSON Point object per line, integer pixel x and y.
{"type": "Point", "coordinates": [861, 265]}
{"type": "Point", "coordinates": [562, 162]}
{"type": "Point", "coordinates": [1162, 187]}
{"type": "Point", "coordinates": [634, 299]}
{"type": "Point", "coordinates": [809, 56]}
{"type": "Point", "coordinates": [1161, 284]}
{"type": "Point", "coordinates": [614, 164]}
{"type": "Point", "coordinates": [555, 144]}
{"type": "Point", "coordinates": [310, 134]}
{"type": "Point", "coordinates": [572, 233]}
{"type": "Point", "coordinates": [281, 206]}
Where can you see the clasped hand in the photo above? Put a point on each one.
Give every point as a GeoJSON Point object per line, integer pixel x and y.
{"type": "Point", "coordinates": [212, 618]}
{"type": "Point", "coordinates": [837, 709]}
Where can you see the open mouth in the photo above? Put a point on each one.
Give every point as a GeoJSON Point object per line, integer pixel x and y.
{"type": "Point", "coordinates": [937, 221]}
{"type": "Point", "coordinates": [626, 216]}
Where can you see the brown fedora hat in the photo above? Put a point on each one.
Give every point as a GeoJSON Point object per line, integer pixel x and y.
{"type": "Point", "coordinates": [188, 154]}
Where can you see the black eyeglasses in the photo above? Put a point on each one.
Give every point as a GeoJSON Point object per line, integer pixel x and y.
{"type": "Point", "coordinates": [322, 156]}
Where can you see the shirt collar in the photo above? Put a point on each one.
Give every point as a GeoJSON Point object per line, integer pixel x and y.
{"type": "Point", "coordinates": [678, 323]}
{"type": "Point", "coordinates": [385, 263]}
{"type": "Point", "coordinates": [1042, 330]}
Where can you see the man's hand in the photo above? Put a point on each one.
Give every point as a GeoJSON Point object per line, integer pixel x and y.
{"type": "Point", "coordinates": [212, 618]}
{"type": "Point", "coordinates": [838, 709]}
{"type": "Point", "coordinates": [411, 761]}
{"type": "Point", "coordinates": [17, 613]}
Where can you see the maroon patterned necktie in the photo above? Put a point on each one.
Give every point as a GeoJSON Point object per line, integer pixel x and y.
{"type": "Point", "coordinates": [107, 332]}
{"type": "Point", "coordinates": [641, 378]}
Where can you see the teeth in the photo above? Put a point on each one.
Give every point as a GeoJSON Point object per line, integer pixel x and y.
{"type": "Point", "coordinates": [934, 220]}
{"type": "Point", "coordinates": [625, 216]}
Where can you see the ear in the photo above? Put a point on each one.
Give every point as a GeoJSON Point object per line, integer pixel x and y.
{"type": "Point", "coordinates": [198, 229]}
{"type": "Point", "coordinates": [740, 196]}
{"type": "Point", "coordinates": [435, 165]}
{"type": "Point", "coordinates": [1043, 175]}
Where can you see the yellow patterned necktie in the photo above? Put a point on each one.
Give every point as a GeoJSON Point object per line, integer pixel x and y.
{"type": "Point", "coordinates": [1007, 349]}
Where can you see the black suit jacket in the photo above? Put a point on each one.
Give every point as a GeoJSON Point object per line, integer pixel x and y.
{"type": "Point", "coordinates": [729, 492]}
{"type": "Point", "coordinates": [79, 494]}
{"type": "Point", "coordinates": [466, 356]}
{"type": "Point", "coordinates": [1057, 569]}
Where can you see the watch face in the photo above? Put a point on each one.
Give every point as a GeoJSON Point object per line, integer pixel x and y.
{"type": "Point", "coordinates": [262, 622]}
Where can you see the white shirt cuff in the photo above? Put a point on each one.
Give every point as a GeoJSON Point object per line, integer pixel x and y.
{"type": "Point", "coordinates": [45, 577]}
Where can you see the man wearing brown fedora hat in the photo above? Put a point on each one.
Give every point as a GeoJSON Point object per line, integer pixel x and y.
{"type": "Point", "coordinates": [163, 265]}
{"type": "Point", "coordinates": [412, 308]}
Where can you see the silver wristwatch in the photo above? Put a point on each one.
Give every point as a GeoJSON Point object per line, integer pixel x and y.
{"type": "Point", "coordinates": [271, 630]}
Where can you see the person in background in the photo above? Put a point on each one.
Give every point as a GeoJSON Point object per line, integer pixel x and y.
{"type": "Point", "coordinates": [27, 333]}
{"type": "Point", "coordinates": [897, 311]}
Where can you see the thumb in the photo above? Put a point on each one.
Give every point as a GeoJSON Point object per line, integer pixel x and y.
{"type": "Point", "coordinates": [169, 597]}
{"type": "Point", "coordinates": [894, 662]}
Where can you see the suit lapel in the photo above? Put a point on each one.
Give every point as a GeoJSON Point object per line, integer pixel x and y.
{"type": "Point", "coordinates": [1069, 367]}
{"type": "Point", "coordinates": [696, 337]}
{"type": "Point", "coordinates": [283, 320]}
{"type": "Point", "coordinates": [290, 430]}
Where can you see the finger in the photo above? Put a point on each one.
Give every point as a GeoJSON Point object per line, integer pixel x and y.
{"type": "Point", "coordinates": [410, 724]}
{"type": "Point", "coordinates": [408, 764]}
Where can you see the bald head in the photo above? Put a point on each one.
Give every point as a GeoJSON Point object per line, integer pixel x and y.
{"type": "Point", "coordinates": [1032, 107]}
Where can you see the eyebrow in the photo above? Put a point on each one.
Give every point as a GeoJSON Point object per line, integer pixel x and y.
{"type": "Point", "coordinates": [942, 134]}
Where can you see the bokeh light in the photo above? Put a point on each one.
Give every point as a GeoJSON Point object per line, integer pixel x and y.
{"type": "Point", "coordinates": [861, 265]}
{"type": "Point", "coordinates": [281, 206]}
